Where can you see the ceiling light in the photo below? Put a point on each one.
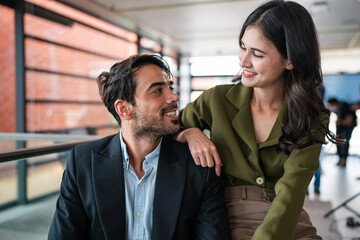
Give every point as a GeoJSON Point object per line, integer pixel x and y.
{"type": "Point", "coordinates": [320, 7]}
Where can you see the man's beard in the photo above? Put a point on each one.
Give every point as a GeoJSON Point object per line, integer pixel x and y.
{"type": "Point", "coordinates": [154, 127]}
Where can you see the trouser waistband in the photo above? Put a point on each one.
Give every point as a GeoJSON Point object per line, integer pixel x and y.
{"type": "Point", "coordinates": [249, 193]}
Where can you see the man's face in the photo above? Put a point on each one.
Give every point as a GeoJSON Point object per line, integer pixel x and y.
{"type": "Point", "coordinates": [155, 113]}
{"type": "Point", "coordinates": [334, 107]}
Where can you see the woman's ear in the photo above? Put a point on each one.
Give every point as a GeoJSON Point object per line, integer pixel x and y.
{"type": "Point", "coordinates": [288, 65]}
{"type": "Point", "coordinates": [123, 109]}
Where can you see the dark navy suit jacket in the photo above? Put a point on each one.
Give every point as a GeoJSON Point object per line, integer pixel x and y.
{"type": "Point", "coordinates": [188, 201]}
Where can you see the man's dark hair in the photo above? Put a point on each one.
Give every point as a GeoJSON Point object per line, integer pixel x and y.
{"type": "Point", "coordinates": [333, 100]}
{"type": "Point", "coordinates": [119, 82]}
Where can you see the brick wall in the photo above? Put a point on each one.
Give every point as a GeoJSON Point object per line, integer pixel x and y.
{"type": "Point", "coordinates": [7, 70]}
{"type": "Point", "coordinates": [78, 36]}
{"type": "Point", "coordinates": [62, 64]}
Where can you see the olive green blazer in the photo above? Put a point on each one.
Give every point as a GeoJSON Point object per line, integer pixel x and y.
{"type": "Point", "coordinates": [225, 111]}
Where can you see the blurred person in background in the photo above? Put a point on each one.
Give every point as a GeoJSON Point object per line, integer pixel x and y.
{"type": "Point", "coordinates": [345, 124]}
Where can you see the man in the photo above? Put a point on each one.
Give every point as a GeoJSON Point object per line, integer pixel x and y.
{"type": "Point", "coordinates": [345, 124]}
{"type": "Point", "coordinates": [139, 184]}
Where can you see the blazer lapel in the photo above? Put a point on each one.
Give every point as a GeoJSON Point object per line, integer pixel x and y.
{"type": "Point", "coordinates": [276, 131]}
{"type": "Point", "coordinates": [169, 188]}
{"type": "Point", "coordinates": [109, 189]}
{"type": "Point", "coordinates": [242, 122]}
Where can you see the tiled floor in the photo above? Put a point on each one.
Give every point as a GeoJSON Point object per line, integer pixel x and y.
{"type": "Point", "coordinates": [340, 184]}
{"type": "Point", "coordinates": [30, 222]}
{"type": "Point", "coordinates": [337, 186]}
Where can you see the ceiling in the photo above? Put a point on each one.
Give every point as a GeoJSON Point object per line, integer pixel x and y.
{"type": "Point", "coordinates": [211, 27]}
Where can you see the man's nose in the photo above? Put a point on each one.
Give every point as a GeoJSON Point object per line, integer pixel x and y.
{"type": "Point", "coordinates": [172, 96]}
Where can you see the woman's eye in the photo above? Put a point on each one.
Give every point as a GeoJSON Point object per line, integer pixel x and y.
{"type": "Point", "coordinates": [256, 55]}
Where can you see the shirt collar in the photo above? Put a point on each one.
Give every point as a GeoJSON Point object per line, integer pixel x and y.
{"type": "Point", "coordinates": [124, 152]}
{"type": "Point", "coordinates": [151, 159]}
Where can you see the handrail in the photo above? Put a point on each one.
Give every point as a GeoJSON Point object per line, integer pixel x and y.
{"type": "Point", "coordinates": [42, 136]}
{"type": "Point", "coordinates": [22, 153]}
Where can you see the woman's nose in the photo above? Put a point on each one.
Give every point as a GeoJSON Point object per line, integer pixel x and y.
{"type": "Point", "coordinates": [244, 60]}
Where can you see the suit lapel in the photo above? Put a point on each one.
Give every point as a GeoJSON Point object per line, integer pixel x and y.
{"type": "Point", "coordinates": [169, 188]}
{"type": "Point", "coordinates": [109, 190]}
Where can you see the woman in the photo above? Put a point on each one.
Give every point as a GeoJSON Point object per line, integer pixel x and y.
{"type": "Point", "coordinates": [268, 129]}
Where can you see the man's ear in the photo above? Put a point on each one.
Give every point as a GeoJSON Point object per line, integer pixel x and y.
{"type": "Point", "coordinates": [289, 65]}
{"type": "Point", "coordinates": [123, 109]}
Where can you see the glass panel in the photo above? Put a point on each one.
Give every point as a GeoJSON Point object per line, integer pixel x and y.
{"type": "Point", "coordinates": [173, 64]}
{"type": "Point", "coordinates": [150, 44]}
{"type": "Point", "coordinates": [194, 95]}
{"type": "Point", "coordinates": [8, 182]}
{"type": "Point", "coordinates": [7, 145]}
{"type": "Point", "coordinates": [204, 83]}
{"type": "Point", "coordinates": [214, 66]}
{"type": "Point", "coordinates": [170, 52]}
{"type": "Point", "coordinates": [44, 174]}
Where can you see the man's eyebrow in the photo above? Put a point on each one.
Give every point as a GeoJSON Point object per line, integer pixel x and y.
{"type": "Point", "coordinates": [155, 84]}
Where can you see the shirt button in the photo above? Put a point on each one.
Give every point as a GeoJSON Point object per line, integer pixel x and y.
{"type": "Point", "coordinates": [138, 214]}
{"type": "Point", "coordinates": [140, 183]}
{"type": "Point", "coordinates": [259, 180]}
{"type": "Point", "coordinates": [124, 163]}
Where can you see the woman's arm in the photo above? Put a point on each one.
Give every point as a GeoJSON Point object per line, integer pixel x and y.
{"type": "Point", "coordinates": [194, 118]}
{"type": "Point", "coordinates": [201, 147]}
{"type": "Point", "coordinates": [283, 215]}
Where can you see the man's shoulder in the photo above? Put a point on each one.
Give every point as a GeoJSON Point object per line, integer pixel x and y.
{"type": "Point", "coordinates": [95, 145]}
{"type": "Point", "coordinates": [180, 149]}
{"type": "Point", "coordinates": [183, 153]}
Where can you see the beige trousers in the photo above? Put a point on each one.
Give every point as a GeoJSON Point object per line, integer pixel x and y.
{"type": "Point", "coordinates": [247, 207]}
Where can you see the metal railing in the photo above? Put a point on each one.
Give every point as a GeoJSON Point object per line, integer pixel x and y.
{"type": "Point", "coordinates": [64, 142]}
{"type": "Point", "coordinates": [59, 143]}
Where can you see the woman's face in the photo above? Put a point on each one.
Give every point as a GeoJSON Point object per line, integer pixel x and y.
{"type": "Point", "coordinates": [262, 64]}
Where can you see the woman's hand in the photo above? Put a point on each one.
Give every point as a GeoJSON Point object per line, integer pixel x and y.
{"type": "Point", "coordinates": [201, 147]}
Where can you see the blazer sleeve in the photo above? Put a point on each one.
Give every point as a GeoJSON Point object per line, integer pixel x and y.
{"type": "Point", "coordinates": [212, 220]}
{"type": "Point", "coordinates": [70, 220]}
{"type": "Point", "coordinates": [283, 215]}
{"type": "Point", "coordinates": [290, 191]}
{"type": "Point", "coordinates": [198, 113]}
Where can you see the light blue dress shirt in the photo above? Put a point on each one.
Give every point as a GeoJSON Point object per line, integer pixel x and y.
{"type": "Point", "coordinates": [139, 194]}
